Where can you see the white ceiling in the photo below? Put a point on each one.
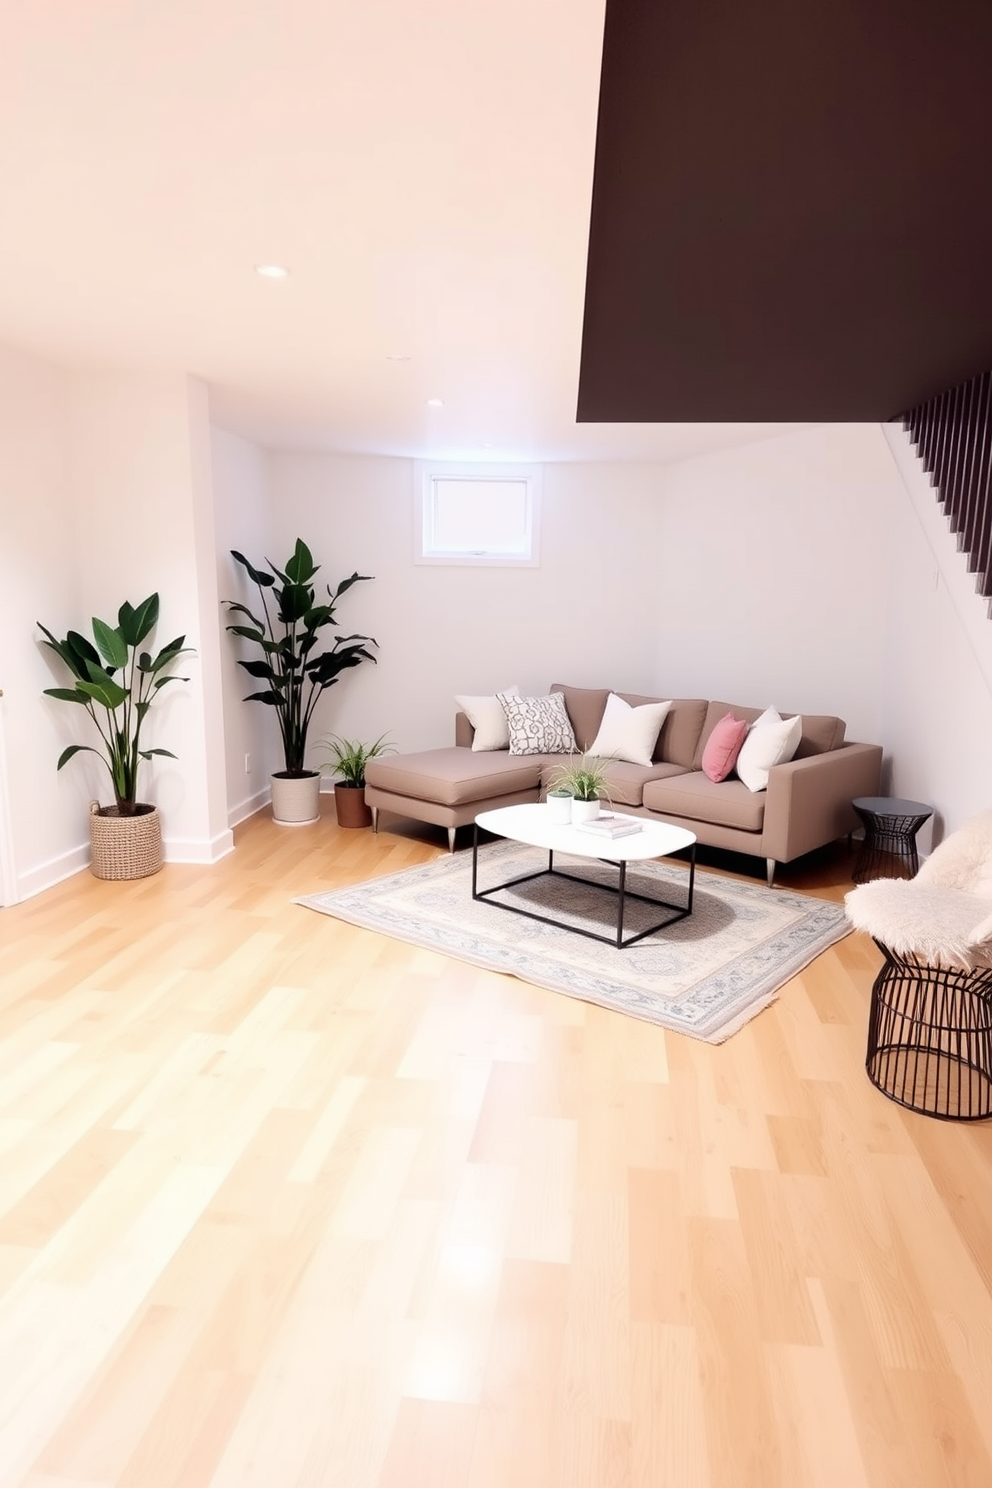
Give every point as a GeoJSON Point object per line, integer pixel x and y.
{"type": "Point", "coordinates": [423, 167]}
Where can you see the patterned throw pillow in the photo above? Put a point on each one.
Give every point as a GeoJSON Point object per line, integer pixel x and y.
{"type": "Point", "coordinates": [538, 725]}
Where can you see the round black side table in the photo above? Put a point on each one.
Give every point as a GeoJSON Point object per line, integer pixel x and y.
{"type": "Point", "coordinates": [889, 848]}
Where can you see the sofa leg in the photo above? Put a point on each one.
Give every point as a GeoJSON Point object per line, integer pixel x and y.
{"type": "Point", "coordinates": [770, 869]}
{"type": "Point", "coordinates": [375, 818]}
{"type": "Point", "coordinates": [451, 839]}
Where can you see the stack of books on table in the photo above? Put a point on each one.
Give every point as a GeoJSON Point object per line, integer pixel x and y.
{"type": "Point", "coordinates": [609, 824]}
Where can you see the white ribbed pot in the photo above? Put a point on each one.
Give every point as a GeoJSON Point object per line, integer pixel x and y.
{"type": "Point", "coordinates": [584, 810]}
{"type": "Point", "coordinates": [295, 799]}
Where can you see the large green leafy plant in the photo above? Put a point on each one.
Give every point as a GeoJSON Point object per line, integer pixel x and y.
{"type": "Point", "coordinates": [117, 708]}
{"type": "Point", "coordinates": [289, 632]}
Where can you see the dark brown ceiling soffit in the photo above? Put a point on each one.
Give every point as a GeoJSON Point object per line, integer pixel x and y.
{"type": "Point", "coordinates": [792, 210]}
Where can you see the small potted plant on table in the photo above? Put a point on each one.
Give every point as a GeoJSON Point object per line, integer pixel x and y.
{"type": "Point", "coordinates": [289, 632]}
{"type": "Point", "coordinates": [348, 760]}
{"type": "Point", "coordinates": [585, 780]}
{"type": "Point", "coordinates": [126, 838]}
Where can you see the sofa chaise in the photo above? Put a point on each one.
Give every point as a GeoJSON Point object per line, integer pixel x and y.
{"type": "Point", "coordinates": [807, 802]}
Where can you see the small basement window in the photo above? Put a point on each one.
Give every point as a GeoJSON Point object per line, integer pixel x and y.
{"type": "Point", "coordinates": [478, 514]}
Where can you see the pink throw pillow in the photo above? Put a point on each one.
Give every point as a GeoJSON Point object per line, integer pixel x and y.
{"type": "Point", "coordinates": [723, 746]}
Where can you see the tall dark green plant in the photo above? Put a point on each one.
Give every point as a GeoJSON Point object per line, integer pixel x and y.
{"type": "Point", "coordinates": [118, 709]}
{"type": "Point", "coordinates": [289, 633]}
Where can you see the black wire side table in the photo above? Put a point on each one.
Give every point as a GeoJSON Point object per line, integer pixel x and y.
{"type": "Point", "coordinates": [889, 848]}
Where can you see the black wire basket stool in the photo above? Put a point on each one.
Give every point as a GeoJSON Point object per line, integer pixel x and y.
{"type": "Point", "coordinates": [930, 1037]}
{"type": "Point", "coordinates": [930, 1019]}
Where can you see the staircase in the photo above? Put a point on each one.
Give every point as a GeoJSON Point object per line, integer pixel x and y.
{"type": "Point", "coordinates": [953, 438]}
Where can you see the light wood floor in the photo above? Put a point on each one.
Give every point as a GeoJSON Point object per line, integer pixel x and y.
{"type": "Point", "coordinates": [285, 1203]}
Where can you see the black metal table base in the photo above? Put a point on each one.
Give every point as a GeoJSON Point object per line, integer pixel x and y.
{"type": "Point", "coordinates": [620, 889]}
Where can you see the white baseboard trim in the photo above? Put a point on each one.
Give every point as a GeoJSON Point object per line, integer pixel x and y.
{"type": "Point", "coordinates": [198, 849]}
{"type": "Point", "coordinates": [242, 810]}
{"type": "Point", "coordinates": [47, 875]}
{"type": "Point", "coordinates": [177, 850]}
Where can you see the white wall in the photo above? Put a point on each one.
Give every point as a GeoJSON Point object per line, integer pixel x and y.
{"type": "Point", "coordinates": [210, 699]}
{"type": "Point", "coordinates": [772, 584]}
{"type": "Point", "coordinates": [242, 521]}
{"type": "Point", "coordinates": [937, 672]}
{"type": "Point", "coordinates": [801, 572]}
{"type": "Point", "coordinates": [140, 452]}
{"type": "Point", "coordinates": [45, 828]}
{"type": "Point", "coordinates": [585, 616]}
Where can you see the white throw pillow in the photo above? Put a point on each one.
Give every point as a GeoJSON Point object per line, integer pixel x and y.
{"type": "Point", "coordinates": [538, 725]}
{"type": "Point", "coordinates": [629, 733]}
{"type": "Point", "coordinates": [486, 716]}
{"type": "Point", "coordinates": [771, 741]}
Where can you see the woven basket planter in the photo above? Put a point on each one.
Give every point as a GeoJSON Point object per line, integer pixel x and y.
{"type": "Point", "coordinates": [124, 846]}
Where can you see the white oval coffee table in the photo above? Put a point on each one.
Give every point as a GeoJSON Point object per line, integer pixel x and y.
{"type": "Point", "coordinates": [530, 824]}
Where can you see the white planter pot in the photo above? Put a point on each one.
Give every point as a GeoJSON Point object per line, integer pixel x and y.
{"type": "Point", "coordinates": [559, 809]}
{"type": "Point", "coordinates": [295, 802]}
{"type": "Point", "coordinates": [584, 810]}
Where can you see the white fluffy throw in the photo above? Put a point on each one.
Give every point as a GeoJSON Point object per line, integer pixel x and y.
{"type": "Point", "coordinates": [942, 916]}
{"type": "Point", "coordinates": [964, 859]}
{"type": "Point", "coordinates": [940, 925]}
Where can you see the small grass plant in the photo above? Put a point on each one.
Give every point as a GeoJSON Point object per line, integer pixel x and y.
{"type": "Point", "coordinates": [584, 777]}
{"type": "Point", "coordinates": [349, 757]}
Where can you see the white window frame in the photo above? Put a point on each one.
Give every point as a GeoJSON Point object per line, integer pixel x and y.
{"type": "Point", "coordinates": [427, 472]}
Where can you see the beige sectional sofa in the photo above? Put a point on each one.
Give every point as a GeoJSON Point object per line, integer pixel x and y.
{"type": "Point", "coordinates": [807, 802]}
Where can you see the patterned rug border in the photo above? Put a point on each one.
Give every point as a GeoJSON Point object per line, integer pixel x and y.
{"type": "Point", "coordinates": [711, 1007]}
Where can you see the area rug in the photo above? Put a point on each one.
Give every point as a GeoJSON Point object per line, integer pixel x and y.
{"type": "Point", "coordinates": [705, 976]}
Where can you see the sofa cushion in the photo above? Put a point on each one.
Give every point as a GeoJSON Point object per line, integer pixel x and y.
{"type": "Point", "coordinates": [679, 732]}
{"type": "Point", "coordinates": [821, 731]}
{"type": "Point", "coordinates": [727, 804]}
{"type": "Point", "coordinates": [454, 776]}
{"type": "Point", "coordinates": [629, 733]}
{"type": "Point", "coordinates": [585, 707]}
{"type": "Point", "coordinates": [625, 782]}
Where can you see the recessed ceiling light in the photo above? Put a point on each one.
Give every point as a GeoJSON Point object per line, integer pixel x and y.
{"type": "Point", "coordinates": [272, 271]}
{"type": "Point", "coordinates": [435, 402]}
